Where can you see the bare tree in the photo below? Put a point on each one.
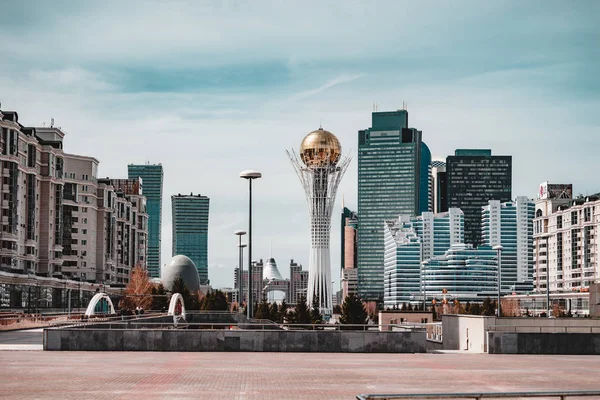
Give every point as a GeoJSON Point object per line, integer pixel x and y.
{"type": "Point", "coordinates": [139, 290]}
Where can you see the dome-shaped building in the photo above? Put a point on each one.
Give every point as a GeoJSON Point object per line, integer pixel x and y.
{"type": "Point", "coordinates": [180, 267]}
{"type": "Point", "coordinates": [270, 270]}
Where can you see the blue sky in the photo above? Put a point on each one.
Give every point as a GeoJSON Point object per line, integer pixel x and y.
{"type": "Point", "coordinates": [211, 88]}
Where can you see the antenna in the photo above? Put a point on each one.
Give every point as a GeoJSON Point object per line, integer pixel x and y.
{"type": "Point", "coordinates": [343, 201]}
{"type": "Point", "coordinates": [271, 249]}
{"type": "Point", "coordinates": [52, 122]}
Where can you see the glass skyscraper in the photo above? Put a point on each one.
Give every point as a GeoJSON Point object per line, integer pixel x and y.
{"type": "Point", "coordinates": [474, 178]}
{"type": "Point", "coordinates": [510, 224]}
{"type": "Point", "coordinates": [393, 179]}
{"type": "Point", "coordinates": [152, 183]}
{"type": "Point", "coordinates": [409, 241]}
{"type": "Point", "coordinates": [190, 230]}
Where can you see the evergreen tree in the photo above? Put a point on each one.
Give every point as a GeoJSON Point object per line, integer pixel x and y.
{"type": "Point", "coordinates": [188, 299]}
{"type": "Point", "coordinates": [282, 314]}
{"type": "Point", "coordinates": [489, 308]}
{"type": "Point", "coordinates": [353, 311]}
{"type": "Point", "coordinates": [475, 309]}
{"type": "Point", "coordinates": [315, 312]}
{"type": "Point", "coordinates": [409, 307]}
{"type": "Point", "coordinates": [273, 312]}
{"type": "Point", "coordinates": [159, 298]}
{"type": "Point", "coordinates": [301, 314]}
{"type": "Point", "coordinates": [403, 308]}
{"type": "Point", "coordinates": [214, 301]}
{"type": "Point", "coordinates": [337, 309]}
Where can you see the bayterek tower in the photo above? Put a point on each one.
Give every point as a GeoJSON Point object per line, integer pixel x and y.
{"type": "Point", "coordinates": [320, 169]}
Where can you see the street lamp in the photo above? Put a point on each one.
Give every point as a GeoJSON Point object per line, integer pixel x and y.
{"type": "Point", "coordinates": [499, 249]}
{"type": "Point", "coordinates": [241, 268]}
{"type": "Point", "coordinates": [250, 176]}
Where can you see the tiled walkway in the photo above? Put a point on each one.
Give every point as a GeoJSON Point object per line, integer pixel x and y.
{"type": "Point", "coordinates": [77, 375]}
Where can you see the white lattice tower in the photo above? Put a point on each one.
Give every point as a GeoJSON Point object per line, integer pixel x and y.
{"type": "Point", "coordinates": [320, 185]}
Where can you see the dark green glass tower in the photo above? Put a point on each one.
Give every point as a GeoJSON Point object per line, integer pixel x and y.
{"type": "Point", "coordinates": [190, 230]}
{"type": "Point", "coordinates": [152, 183]}
{"type": "Point", "coordinates": [393, 179]}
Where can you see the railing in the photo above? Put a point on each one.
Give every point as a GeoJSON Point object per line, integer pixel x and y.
{"type": "Point", "coordinates": [478, 396]}
{"type": "Point", "coordinates": [544, 329]}
{"type": "Point", "coordinates": [137, 323]}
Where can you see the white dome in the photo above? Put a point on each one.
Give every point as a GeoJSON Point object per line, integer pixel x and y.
{"type": "Point", "coordinates": [180, 267]}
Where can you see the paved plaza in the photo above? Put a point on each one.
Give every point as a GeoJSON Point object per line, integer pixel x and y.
{"type": "Point", "coordinates": [104, 375]}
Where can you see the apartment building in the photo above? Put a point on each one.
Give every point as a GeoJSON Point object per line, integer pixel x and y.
{"type": "Point", "coordinates": [57, 219]}
{"type": "Point", "coordinates": [566, 250]}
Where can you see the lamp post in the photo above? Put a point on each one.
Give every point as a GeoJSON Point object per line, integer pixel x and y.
{"type": "Point", "coordinates": [241, 268]}
{"type": "Point", "coordinates": [499, 249]}
{"type": "Point", "coordinates": [250, 176]}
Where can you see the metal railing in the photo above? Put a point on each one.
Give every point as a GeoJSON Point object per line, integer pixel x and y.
{"type": "Point", "coordinates": [544, 329]}
{"type": "Point", "coordinates": [139, 323]}
{"type": "Point", "coordinates": [481, 395]}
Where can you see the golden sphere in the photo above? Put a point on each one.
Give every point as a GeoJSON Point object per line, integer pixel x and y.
{"type": "Point", "coordinates": [320, 148]}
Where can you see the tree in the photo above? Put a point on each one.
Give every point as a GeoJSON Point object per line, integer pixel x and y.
{"type": "Point", "coordinates": [301, 314]}
{"type": "Point", "coordinates": [273, 312]}
{"type": "Point", "coordinates": [262, 310]}
{"type": "Point", "coordinates": [159, 298]}
{"type": "Point", "coordinates": [353, 311]}
{"type": "Point", "coordinates": [488, 307]}
{"type": "Point", "coordinates": [138, 291]}
{"type": "Point", "coordinates": [475, 309]}
{"type": "Point", "coordinates": [282, 312]}
{"type": "Point", "coordinates": [510, 307]}
{"type": "Point", "coordinates": [337, 309]}
{"type": "Point", "coordinates": [214, 301]}
{"type": "Point", "coordinates": [190, 301]}
{"type": "Point", "coordinates": [315, 312]}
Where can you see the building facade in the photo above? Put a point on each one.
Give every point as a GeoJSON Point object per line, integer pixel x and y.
{"type": "Point", "coordinates": [439, 186]}
{"type": "Point", "coordinates": [152, 182]}
{"type": "Point", "coordinates": [465, 273]}
{"type": "Point", "coordinates": [393, 179]}
{"type": "Point", "coordinates": [32, 185]}
{"type": "Point", "coordinates": [349, 271]}
{"type": "Point", "coordinates": [190, 230]}
{"type": "Point", "coordinates": [410, 241]}
{"type": "Point", "coordinates": [566, 249]}
{"type": "Point", "coordinates": [474, 178]}
{"type": "Point", "coordinates": [510, 224]}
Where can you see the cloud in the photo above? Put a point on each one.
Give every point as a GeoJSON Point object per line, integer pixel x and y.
{"type": "Point", "coordinates": [328, 85]}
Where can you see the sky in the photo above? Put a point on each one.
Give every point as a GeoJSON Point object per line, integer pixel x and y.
{"type": "Point", "coordinates": [211, 88]}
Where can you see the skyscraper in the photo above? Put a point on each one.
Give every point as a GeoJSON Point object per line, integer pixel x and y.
{"type": "Point", "coordinates": [349, 273]}
{"type": "Point", "coordinates": [152, 183]}
{"type": "Point", "coordinates": [412, 240]}
{"type": "Point", "coordinates": [439, 186]}
{"type": "Point", "coordinates": [510, 224]}
{"type": "Point", "coordinates": [393, 179]}
{"type": "Point", "coordinates": [474, 178]}
{"type": "Point", "coordinates": [320, 171]}
{"type": "Point", "coordinates": [190, 230]}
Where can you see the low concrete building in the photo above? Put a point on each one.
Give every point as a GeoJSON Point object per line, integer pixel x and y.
{"type": "Point", "coordinates": [387, 318]}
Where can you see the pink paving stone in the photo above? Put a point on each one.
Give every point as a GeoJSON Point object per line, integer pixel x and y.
{"type": "Point", "coordinates": [106, 375]}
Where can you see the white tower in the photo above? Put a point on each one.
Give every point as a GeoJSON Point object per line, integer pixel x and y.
{"type": "Point", "coordinates": [320, 173]}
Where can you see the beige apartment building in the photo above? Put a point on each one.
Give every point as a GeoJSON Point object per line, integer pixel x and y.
{"type": "Point", "coordinates": [58, 220]}
{"type": "Point", "coordinates": [566, 248]}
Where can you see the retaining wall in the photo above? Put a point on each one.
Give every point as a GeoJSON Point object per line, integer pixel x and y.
{"type": "Point", "coordinates": [235, 340]}
{"type": "Point", "coordinates": [544, 343]}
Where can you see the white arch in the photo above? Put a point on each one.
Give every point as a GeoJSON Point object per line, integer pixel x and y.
{"type": "Point", "coordinates": [91, 308]}
{"type": "Point", "coordinates": [176, 298]}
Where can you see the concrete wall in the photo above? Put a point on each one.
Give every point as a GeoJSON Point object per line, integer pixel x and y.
{"type": "Point", "coordinates": [544, 343]}
{"type": "Point", "coordinates": [466, 332]}
{"type": "Point", "coordinates": [235, 340]}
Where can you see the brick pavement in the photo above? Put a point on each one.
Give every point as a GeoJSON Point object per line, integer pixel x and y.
{"type": "Point", "coordinates": [104, 375]}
